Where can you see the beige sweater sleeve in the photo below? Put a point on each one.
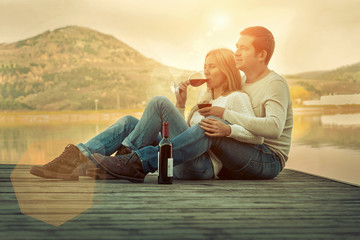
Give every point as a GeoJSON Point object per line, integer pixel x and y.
{"type": "Point", "coordinates": [240, 103]}
{"type": "Point", "coordinates": [272, 124]}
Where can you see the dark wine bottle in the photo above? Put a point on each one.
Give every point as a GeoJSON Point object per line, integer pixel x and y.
{"type": "Point", "coordinates": [165, 159]}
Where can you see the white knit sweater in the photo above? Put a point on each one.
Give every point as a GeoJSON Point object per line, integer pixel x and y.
{"type": "Point", "coordinates": [236, 102]}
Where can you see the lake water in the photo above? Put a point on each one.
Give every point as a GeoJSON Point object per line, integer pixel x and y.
{"type": "Point", "coordinates": [324, 145]}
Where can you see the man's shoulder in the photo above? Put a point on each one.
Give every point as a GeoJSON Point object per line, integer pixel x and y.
{"type": "Point", "coordinates": [271, 77]}
{"type": "Point", "coordinates": [274, 79]}
{"type": "Point", "coordinates": [274, 76]}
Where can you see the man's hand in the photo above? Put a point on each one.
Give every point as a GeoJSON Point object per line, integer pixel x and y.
{"type": "Point", "coordinates": [212, 111]}
{"type": "Point", "coordinates": [215, 128]}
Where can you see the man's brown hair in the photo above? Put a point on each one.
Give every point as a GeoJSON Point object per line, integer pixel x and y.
{"type": "Point", "coordinates": [263, 40]}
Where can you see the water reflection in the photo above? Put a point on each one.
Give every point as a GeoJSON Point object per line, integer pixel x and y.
{"type": "Point", "coordinates": [45, 139]}
{"type": "Point", "coordinates": [340, 130]}
{"type": "Point", "coordinates": [341, 120]}
{"type": "Point", "coordinates": [326, 145]}
{"type": "Point", "coordinates": [326, 161]}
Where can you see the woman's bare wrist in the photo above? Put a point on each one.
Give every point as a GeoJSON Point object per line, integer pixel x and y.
{"type": "Point", "coordinates": [180, 105]}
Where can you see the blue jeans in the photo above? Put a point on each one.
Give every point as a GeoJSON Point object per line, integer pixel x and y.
{"type": "Point", "coordinates": [190, 146]}
{"type": "Point", "coordinates": [136, 134]}
{"type": "Point", "coordinates": [240, 160]}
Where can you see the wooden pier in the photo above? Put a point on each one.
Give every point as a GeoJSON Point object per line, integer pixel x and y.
{"type": "Point", "coordinates": [294, 205]}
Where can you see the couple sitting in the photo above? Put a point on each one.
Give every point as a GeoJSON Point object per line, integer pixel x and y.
{"type": "Point", "coordinates": [245, 134]}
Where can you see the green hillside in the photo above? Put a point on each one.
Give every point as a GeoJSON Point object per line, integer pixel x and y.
{"type": "Point", "coordinates": [76, 68]}
{"type": "Point", "coordinates": [72, 67]}
{"type": "Point", "coordinates": [350, 73]}
{"type": "Point", "coordinates": [343, 80]}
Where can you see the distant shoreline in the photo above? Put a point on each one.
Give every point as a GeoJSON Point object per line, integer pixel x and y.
{"type": "Point", "coordinates": [88, 116]}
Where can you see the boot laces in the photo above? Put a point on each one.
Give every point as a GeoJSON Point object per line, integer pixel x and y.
{"type": "Point", "coordinates": [60, 159]}
{"type": "Point", "coordinates": [124, 158]}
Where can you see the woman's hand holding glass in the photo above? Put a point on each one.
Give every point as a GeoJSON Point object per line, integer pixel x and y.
{"type": "Point", "coordinates": [181, 95]}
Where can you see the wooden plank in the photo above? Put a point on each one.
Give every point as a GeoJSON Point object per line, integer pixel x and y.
{"type": "Point", "coordinates": [294, 205]}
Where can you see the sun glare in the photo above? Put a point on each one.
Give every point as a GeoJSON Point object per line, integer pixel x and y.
{"type": "Point", "coordinates": [220, 20]}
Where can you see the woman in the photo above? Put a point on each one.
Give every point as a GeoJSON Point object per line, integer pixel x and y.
{"type": "Point", "coordinates": [134, 137]}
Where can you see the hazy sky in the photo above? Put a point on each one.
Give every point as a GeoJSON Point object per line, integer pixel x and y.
{"type": "Point", "coordinates": [310, 34]}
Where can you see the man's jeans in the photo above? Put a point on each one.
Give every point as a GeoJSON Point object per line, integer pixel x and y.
{"type": "Point", "coordinates": [190, 146]}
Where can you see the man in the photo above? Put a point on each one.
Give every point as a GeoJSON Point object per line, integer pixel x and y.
{"type": "Point", "coordinates": [271, 102]}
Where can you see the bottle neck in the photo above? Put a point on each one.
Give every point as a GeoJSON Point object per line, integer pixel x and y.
{"type": "Point", "coordinates": [165, 130]}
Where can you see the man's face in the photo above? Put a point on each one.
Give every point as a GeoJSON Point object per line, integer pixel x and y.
{"type": "Point", "coordinates": [245, 55]}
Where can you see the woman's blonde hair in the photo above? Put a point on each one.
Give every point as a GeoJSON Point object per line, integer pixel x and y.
{"type": "Point", "coordinates": [225, 59]}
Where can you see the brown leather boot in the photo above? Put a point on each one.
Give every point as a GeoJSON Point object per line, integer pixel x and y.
{"type": "Point", "coordinates": [123, 150]}
{"type": "Point", "coordinates": [100, 173]}
{"type": "Point", "coordinates": [66, 166]}
{"type": "Point", "coordinates": [126, 166]}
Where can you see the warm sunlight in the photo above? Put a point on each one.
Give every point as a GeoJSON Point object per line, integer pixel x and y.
{"type": "Point", "coordinates": [169, 31]}
{"type": "Point", "coordinates": [220, 20]}
{"type": "Point", "coordinates": [86, 87]}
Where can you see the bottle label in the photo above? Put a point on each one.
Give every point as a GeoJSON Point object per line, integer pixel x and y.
{"type": "Point", "coordinates": [158, 163]}
{"type": "Point", "coordinates": [170, 167]}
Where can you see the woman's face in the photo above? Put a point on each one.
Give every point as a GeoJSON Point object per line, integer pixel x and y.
{"type": "Point", "coordinates": [216, 78]}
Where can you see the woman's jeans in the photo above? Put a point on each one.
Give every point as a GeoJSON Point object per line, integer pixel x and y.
{"type": "Point", "coordinates": [136, 134]}
{"type": "Point", "coordinates": [190, 146]}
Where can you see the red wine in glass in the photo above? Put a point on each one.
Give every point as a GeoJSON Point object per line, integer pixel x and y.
{"type": "Point", "coordinates": [195, 79]}
{"type": "Point", "coordinates": [203, 105]}
{"type": "Point", "coordinates": [195, 82]}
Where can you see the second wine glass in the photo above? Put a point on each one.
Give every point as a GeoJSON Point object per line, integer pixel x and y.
{"type": "Point", "coordinates": [204, 99]}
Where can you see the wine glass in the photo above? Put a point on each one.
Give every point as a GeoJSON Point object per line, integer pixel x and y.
{"type": "Point", "coordinates": [174, 87]}
{"type": "Point", "coordinates": [195, 79]}
{"type": "Point", "coordinates": [204, 99]}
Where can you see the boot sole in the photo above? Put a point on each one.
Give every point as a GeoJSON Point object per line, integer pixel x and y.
{"type": "Point", "coordinates": [131, 179]}
{"type": "Point", "coordinates": [97, 173]}
{"type": "Point", "coordinates": [40, 172]}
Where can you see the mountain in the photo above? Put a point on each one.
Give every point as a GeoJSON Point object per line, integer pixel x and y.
{"type": "Point", "coordinates": [343, 80]}
{"type": "Point", "coordinates": [73, 67]}
{"type": "Point", "coordinates": [344, 73]}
